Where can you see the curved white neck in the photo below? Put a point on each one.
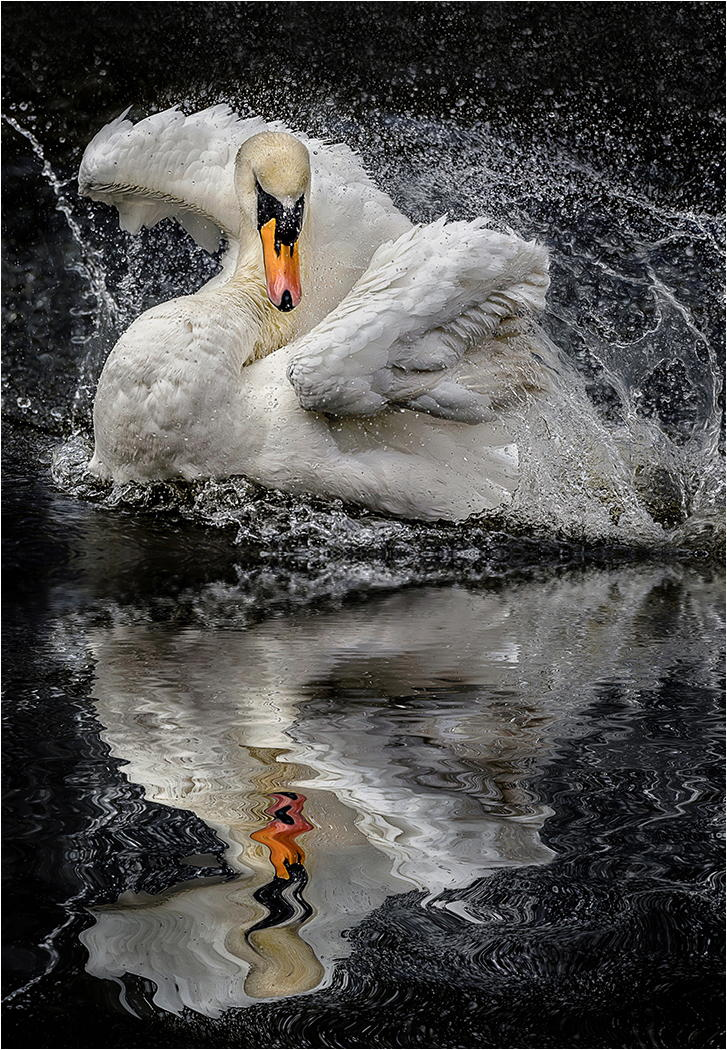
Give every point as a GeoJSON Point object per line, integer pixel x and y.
{"type": "Point", "coordinates": [265, 328]}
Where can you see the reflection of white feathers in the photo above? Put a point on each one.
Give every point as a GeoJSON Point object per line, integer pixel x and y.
{"type": "Point", "coordinates": [416, 343]}
{"type": "Point", "coordinates": [410, 723]}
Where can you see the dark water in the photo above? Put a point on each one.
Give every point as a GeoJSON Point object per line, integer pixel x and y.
{"type": "Point", "coordinates": [286, 774]}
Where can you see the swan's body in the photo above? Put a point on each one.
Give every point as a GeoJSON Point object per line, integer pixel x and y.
{"type": "Point", "coordinates": [387, 385]}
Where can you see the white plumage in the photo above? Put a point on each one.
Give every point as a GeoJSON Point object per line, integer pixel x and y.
{"type": "Point", "coordinates": [403, 333]}
{"type": "Point", "coordinates": [389, 385]}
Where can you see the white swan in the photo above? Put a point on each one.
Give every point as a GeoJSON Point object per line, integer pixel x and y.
{"type": "Point", "coordinates": [399, 350]}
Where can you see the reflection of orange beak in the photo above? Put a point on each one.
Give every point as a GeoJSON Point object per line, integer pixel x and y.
{"type": "Point", "coordinates": [280, 834]}
{"type": "Point", "coordinates": [282, 269]}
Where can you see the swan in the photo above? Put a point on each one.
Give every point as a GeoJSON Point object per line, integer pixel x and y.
{"type": "Point", "coordinates": [341, 351]}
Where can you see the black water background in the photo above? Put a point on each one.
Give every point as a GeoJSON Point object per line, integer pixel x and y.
{"type": "Point", "coordinates": [638, 85]}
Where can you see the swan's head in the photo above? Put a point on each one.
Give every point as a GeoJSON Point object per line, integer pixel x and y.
{"type": "Point", "coordinates": [272, 178]}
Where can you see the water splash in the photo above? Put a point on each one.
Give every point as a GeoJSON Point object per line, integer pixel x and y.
{"type": "Point", "coordinates": [635, 301]}
{"type": "Point", "coordinates": [99, 305]}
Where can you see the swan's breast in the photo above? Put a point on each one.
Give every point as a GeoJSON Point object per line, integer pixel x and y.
{"type": "Point", "coordinates": [168, 400]}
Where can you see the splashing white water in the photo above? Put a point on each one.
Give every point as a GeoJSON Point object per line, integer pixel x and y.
{"type": "Point", "coordinates": [100, 306]}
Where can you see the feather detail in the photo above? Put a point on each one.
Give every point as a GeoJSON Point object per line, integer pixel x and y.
{"type": "Point", "coordinates": [182, 162]}
{"type": "Point", "coordinates": [408, 329]}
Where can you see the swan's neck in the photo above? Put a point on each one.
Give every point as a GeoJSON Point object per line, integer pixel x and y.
{"type": "Point", "coordinates": [266, 329]}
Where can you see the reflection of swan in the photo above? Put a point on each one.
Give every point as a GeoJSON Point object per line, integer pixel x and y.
{"type": "Point", "coordinates": [406, 728]}
{"type": "Point", "coordinates": [384, 391]}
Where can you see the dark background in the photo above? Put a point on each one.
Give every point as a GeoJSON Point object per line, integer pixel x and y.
{"type": "Point", "coordinates": [640, 84]}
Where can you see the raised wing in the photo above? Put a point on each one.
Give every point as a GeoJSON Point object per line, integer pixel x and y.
{"type": "Point", "coordinates": [170, 164]}
{"type": "Point", "coordinates": [414, 330]}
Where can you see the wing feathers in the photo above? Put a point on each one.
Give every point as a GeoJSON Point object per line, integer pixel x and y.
{"type": "Point", "coordinates": [403, 333]}
{"type": "Point", "coordinates": [170, 164]}
{"type": "Point", "coordinates": [182, 166]}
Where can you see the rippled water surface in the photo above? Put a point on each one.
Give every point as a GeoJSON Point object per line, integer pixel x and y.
{"type": "Point", "coordinates": [280, 772]}
{"type": "Point", "coordinates": [463, 814]}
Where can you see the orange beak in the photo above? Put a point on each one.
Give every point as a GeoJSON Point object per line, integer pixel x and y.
{"type": "Point", "coordinates": [282, 269]}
